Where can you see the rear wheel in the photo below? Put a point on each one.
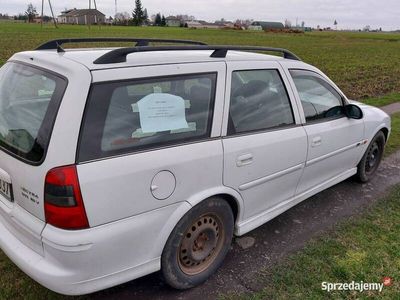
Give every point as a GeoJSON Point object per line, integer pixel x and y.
{"type": "Point", "coordinates": [198, 244]}
{"type": "Point", "coordinates": [372, 158]}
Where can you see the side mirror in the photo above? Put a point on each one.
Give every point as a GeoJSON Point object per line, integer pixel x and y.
{"type": "Point", "coordinates": [352, 111]}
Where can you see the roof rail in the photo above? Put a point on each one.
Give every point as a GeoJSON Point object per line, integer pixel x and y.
{"type": "Point", "coordinates": [119, 55]}
{"type": "Point", "coordinates": [140, 42]}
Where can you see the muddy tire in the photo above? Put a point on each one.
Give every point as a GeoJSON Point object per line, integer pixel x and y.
{"type": "Point", "coordinates": [372, 158]}
{"type": "Point", "coordinates": [198, 244]}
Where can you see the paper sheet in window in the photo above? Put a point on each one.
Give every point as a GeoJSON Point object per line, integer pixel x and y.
{"type": "Point", "coordinates": [162, 112]}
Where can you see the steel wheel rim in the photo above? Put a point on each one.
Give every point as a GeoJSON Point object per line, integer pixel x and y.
{"type": "Point", "coordinates": [201, 244]}
{"type": "Point", "coordinates": [373, 157]}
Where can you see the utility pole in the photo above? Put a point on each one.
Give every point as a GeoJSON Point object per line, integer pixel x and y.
{"type": "Point", "coordinates": [41, 19]}
{"type": "Point", "coordinates": [52, 14]}
{"type": "Point", "coordinates": [88, 20]}
{"type": "Point", "coordinates": [95, 16]}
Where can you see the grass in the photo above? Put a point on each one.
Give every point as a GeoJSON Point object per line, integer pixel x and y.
{"type": "Point", "coordinates": [383, 100]}
{"type": "Point", "coordinates": [364, 65]}
{"type": "Point", "coordinates": [14, 284]}
{"type": "Point", "coordinates": [366, 248]}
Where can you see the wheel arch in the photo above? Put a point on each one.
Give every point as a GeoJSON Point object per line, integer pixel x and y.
{"type": "Point", "coordinates": [385, 131]}
{"type": "Point", "coordinates": [232, 197]}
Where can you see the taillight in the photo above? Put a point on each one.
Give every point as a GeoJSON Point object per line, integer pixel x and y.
{"type": "Point", "coordinates": [63, 203]}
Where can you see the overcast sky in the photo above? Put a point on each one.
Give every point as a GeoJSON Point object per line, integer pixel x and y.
{"type": "Point", "coordinates": [349, 14]}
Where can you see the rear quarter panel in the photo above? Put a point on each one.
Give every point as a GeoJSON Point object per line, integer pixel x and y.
{"type": "Point", "coordinates": [27, 179]}
{"type": "Point", "coordinates": [119, 187]}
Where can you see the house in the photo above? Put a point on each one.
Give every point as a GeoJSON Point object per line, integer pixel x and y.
{"type": "Point", "coordinates": [225, 24]}
{"type": "Point", "coordinates": [201, 24]}
{"type": "Point", "coordinates": [109, 21]}
{"type": "Point", "coordinates": [81, 17]}
{"type": "Point", "coordinates": [62, 19]}
{"type": "Point", "coordinates": [304, 29]}
{"type": "Point", "coordinates": [172, 21]}
{"type": "Point", "coordinates": [259, 25]}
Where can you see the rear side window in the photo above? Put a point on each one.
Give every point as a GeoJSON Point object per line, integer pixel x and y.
{"type": "Point", "coordinates": [29, 99]}
{"type": "Point", "coordinates": [319, 99]}
{"type": "Point", "coordinates": [124, 117]}
{"type": "Point", "coordinates": [259, 101]}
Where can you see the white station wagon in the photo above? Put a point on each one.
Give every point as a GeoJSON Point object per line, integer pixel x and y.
{"type": "Point", "coordinates": [119, 162]}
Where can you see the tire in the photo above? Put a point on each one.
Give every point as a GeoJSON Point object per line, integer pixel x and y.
{"type": "Point", "coordinates": [369, 163]}
{"type": "Point", "coordinates": [198, 244]}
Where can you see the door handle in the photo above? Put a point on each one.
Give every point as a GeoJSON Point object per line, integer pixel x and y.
{"type": "Point", "coordinates": [244, 160]}
{"type": "Point", "coordinates": [317, 141]}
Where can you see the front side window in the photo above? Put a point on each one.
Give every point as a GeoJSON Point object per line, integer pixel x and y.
{"type": "Point", "coordinates": [124, 117]}
{"type": "Point", "coordinates": [319, 99]}
{"type": "Point", "coordinates": [259, 101]}
{"type": "Point", "coordinates": [29, 99]}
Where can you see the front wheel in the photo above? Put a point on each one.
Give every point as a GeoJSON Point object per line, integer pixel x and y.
{"type": "Point", "coordinates": [372, 158]}
{"type": "Point", "coordinates": [198, 244]}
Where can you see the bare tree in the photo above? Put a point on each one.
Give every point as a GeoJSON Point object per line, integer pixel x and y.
{"type": "Point", "coordinates": [30, 12]}
{"type": "Point", "coordinates": [288, 24]}
{"type": "Point", "coordinates": [122, 18]}
{"type": "Point", "coordinates": [243, 23]}
{"type": "Point", "coordinates": [184, 18]}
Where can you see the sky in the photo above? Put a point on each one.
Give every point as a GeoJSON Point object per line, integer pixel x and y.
{"type": "Point", "coordinates": [349, 14]}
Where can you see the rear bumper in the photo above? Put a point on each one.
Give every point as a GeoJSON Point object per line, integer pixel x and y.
{"type": "Point", "coordinates": [82, 262]}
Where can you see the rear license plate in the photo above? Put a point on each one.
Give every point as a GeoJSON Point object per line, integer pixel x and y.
{"type": "Point", "coordinates": [6, 190]}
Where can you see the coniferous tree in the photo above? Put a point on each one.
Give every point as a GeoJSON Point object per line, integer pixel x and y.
{"type": "Point", "coordinates": [145, 17]}
{"type": "Point", "coordinates": [138, 14]}
{"type": "Point", "coordinates": [163, 21]}
{"type": "Point", "coordinates": [157, 21]}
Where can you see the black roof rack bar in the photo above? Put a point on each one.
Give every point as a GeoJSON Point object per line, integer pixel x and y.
{"type": "Point", "coordinates": [119, 55]}
{"type": "Point", "coordinates": [56, 44]}
{"type": "Point", "coordinates": [222, 51]}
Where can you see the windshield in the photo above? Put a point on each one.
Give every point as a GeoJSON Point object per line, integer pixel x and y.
{"type": "Point", "coordinates": [29, 99]}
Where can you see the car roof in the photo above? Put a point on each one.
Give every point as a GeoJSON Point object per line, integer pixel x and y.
{"type": "Point", "coordinates": [87, 56]}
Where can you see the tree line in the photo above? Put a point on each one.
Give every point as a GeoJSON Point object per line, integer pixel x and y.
{"type": "Point", "coordinates": [138, 17]}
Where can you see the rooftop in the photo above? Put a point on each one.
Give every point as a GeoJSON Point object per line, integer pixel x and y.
{"type": "Point", "coordinates": [81, 12]}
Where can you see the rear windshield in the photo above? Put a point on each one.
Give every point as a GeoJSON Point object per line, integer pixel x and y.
{"type": "Point", "coordinates": [29, 99]}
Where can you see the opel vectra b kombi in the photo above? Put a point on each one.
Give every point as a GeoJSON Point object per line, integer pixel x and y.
{"type": "Point", "coordinates": [116, 163]}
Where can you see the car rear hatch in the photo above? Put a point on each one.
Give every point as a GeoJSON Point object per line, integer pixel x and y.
{"type": "Point", "coordinates": [29, 100]}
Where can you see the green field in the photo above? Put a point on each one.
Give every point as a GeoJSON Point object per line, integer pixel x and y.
{"type": "Point", "coordinates": [362, 64]}
{"type": "Point", "coordinates": [364, 249]}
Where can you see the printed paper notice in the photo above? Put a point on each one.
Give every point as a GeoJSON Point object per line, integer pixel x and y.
{"type": "Point", "coordinates": [162, 112]}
